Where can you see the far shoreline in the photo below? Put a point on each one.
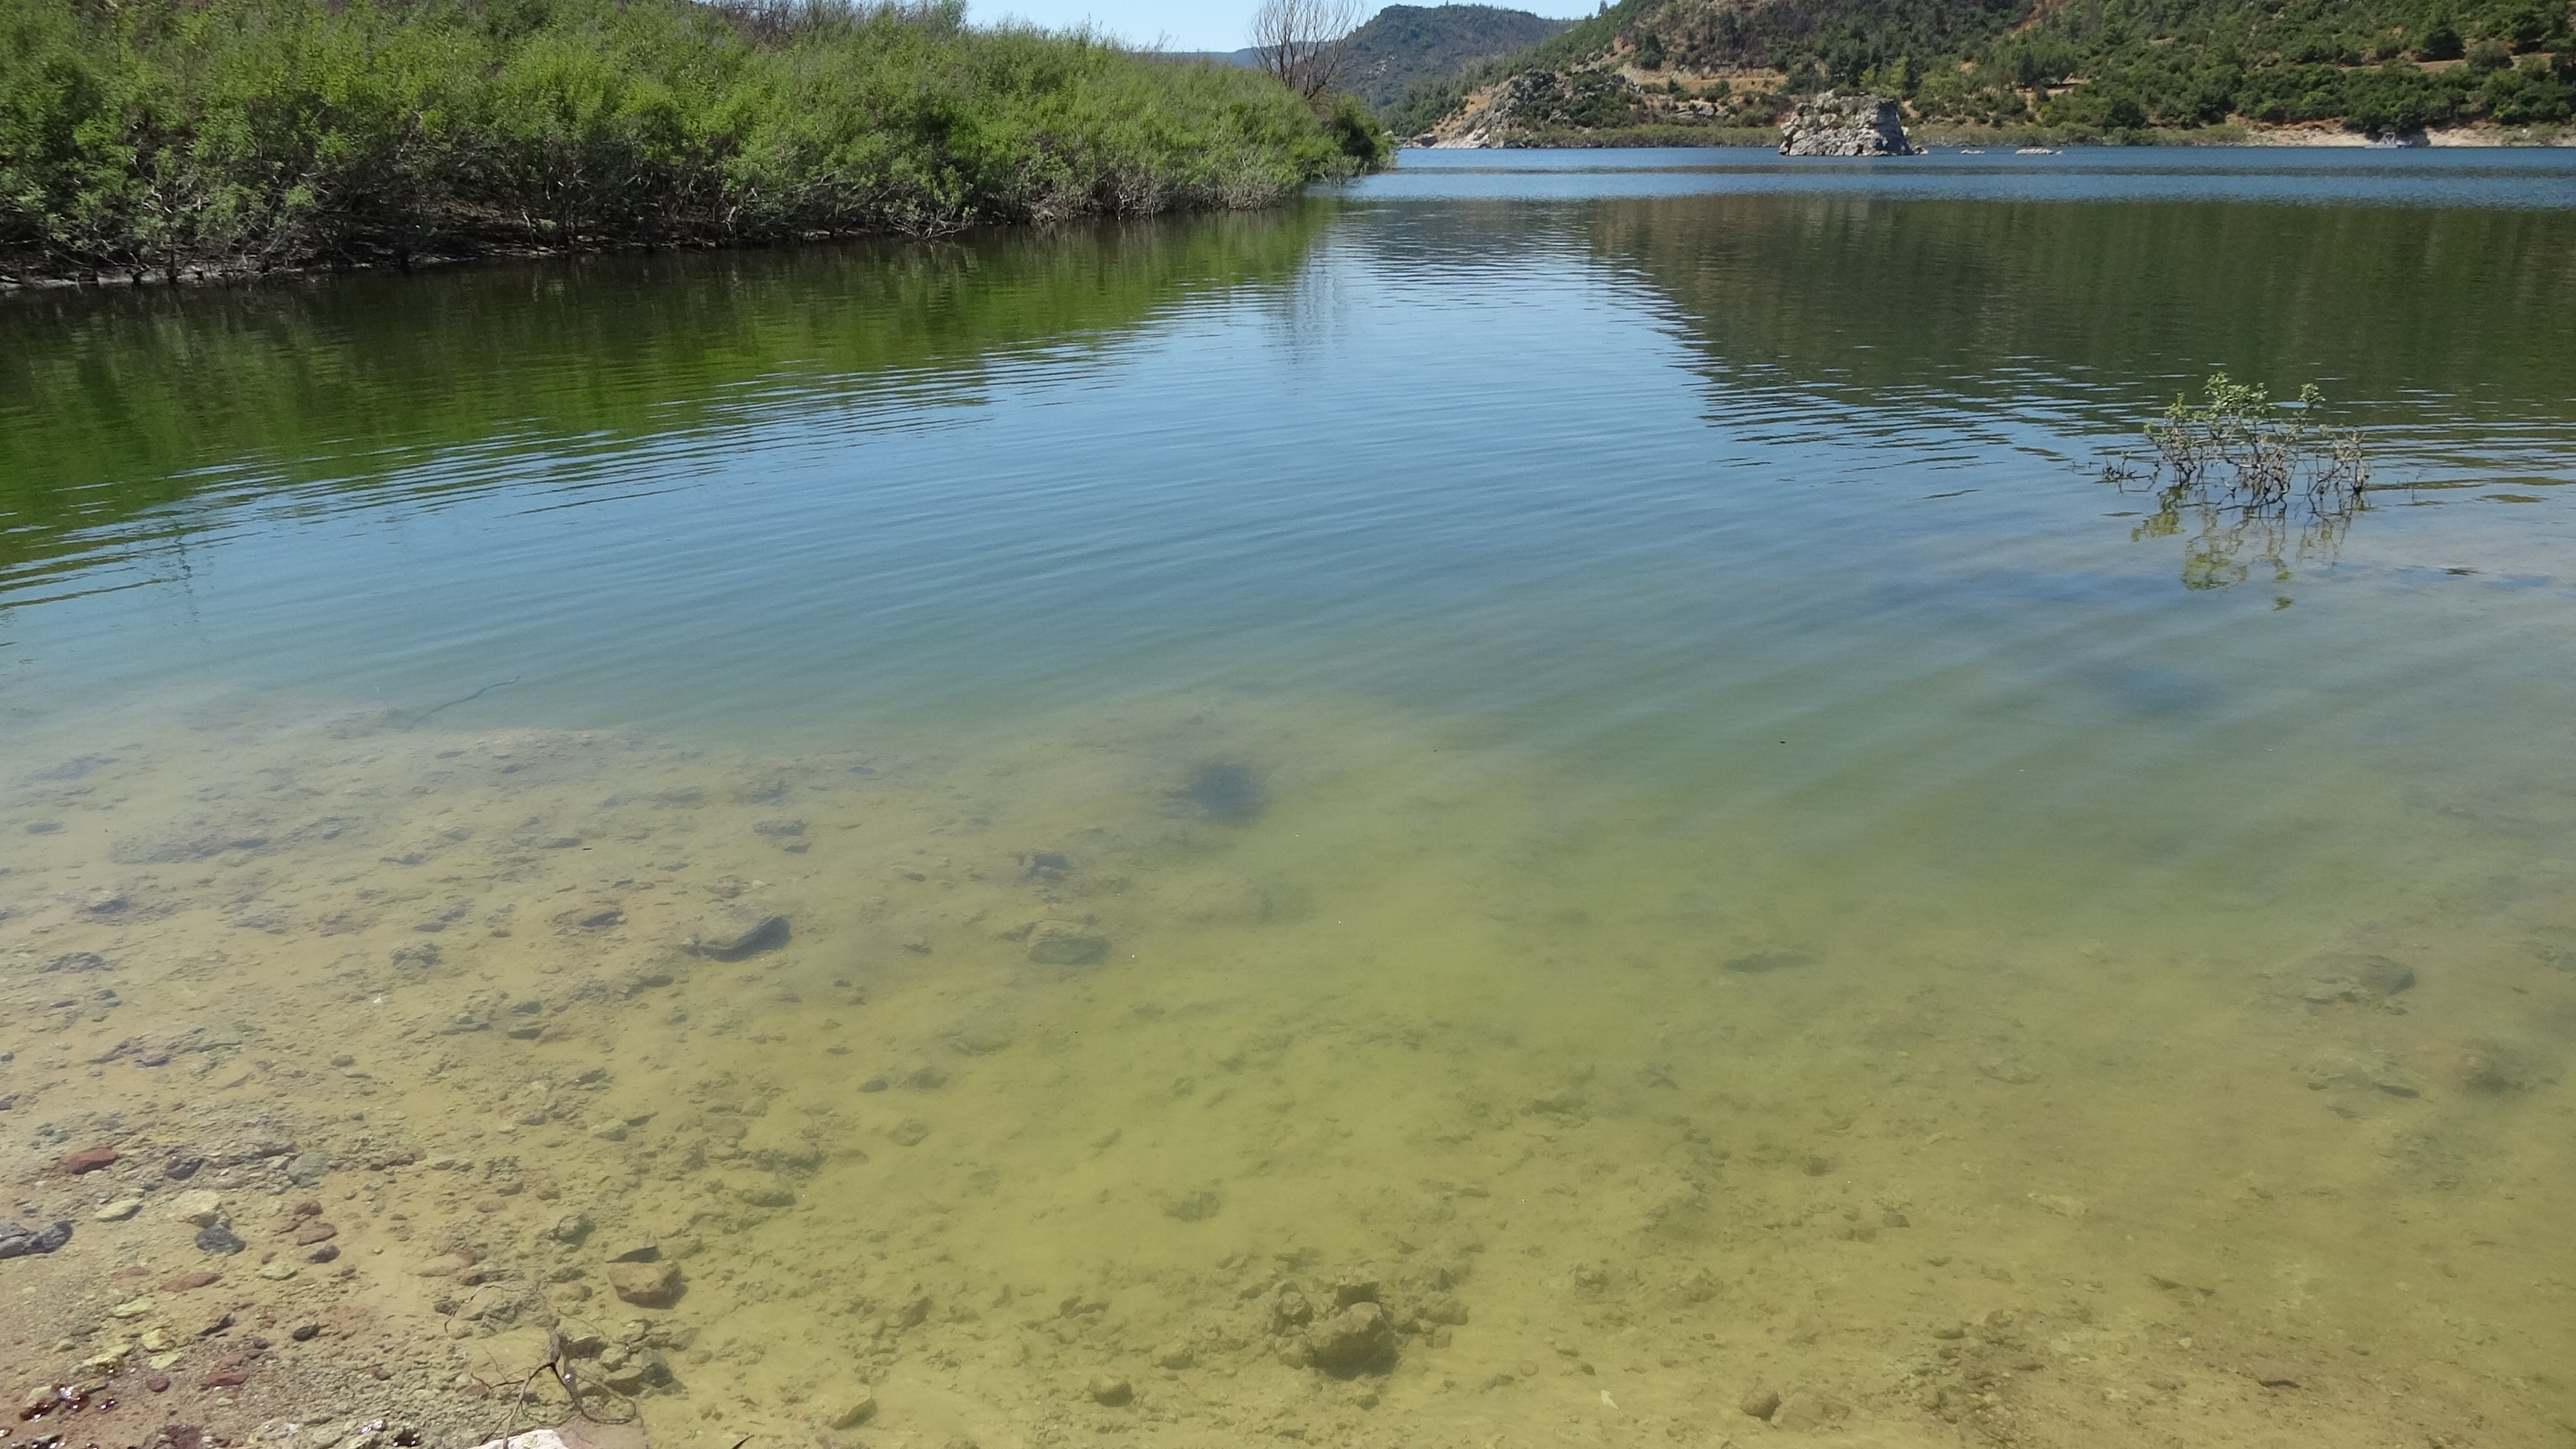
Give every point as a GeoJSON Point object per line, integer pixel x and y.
{"type": "Point", "coordinates": [2304, 137]}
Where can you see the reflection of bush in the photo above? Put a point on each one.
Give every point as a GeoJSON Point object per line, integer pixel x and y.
{"type": "Point", "coordinates": [126, 402]}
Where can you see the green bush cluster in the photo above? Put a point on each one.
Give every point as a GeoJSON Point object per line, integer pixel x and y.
{"type": "Point", "coordinates": [160, 134]}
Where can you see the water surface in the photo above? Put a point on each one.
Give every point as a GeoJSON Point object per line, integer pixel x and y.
{"type": "Point", "coordinates": [1578, 734]}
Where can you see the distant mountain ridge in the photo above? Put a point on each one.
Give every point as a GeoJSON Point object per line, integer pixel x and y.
{"type": "Point", "coordinates": [2082, 67]}
{"type": "Point", "coordinates": [1404, 46]}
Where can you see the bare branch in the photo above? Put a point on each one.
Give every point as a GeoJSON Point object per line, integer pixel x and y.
{"type": "Point", "coordinates": [1304, 42]}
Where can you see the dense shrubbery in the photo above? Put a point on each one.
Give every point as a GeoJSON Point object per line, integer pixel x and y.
{"type": "Point", "coordinates": [171, 133]}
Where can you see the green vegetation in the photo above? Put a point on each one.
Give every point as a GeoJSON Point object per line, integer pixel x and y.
{"type": "Point", "coordinates": [1427, 101]}
{"type": "Point", "coordinates": [163, 135]}
{"type": "Point", "coordinates": [1403, 46]}
{"type": "Point", "coordinates": [2238, 443]}
{"type": "Point", "coordinates": [2252, 479]}
{"type": "Point", "coordinates": [2085, 69]}
{"type": "Point", "coordinates": [2398, 65]}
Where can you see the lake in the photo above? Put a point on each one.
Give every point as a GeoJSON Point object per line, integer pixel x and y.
{"type": "Point", "coordinates": [1550, 798]}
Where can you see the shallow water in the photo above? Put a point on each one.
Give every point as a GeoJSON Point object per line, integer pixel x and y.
{"type": "Point", "coordinates": [1578, 733]}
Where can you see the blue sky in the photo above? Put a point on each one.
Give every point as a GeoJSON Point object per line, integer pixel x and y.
{"type": "Point", "coordinates": [1187, 24]}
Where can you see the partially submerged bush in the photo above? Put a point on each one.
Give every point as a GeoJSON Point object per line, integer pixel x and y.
{"type": "Point", "coordinates": [2238, 446]}
{"type": "Point", "coordinates": [2249, 472]}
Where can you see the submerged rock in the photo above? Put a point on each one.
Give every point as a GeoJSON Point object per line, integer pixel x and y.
{"type": "Point", "coordinates": [2353, 976]}
{"type": "Point", "coordinates": [1056, 943]}
{"type": "Point", "coordinates": [1839, 125]}
{"type": "Point", "coordinates": [2500, 1068]}
{"type": "Point", "coordinates": [1231, 793]}
{"type": "Point", "coordinates": [1762, 961]}
{"type": "Point", "coordinates": [646, 1285]}
{"type": "Point", "coordinates": [1802, 1409]}
{"type": "Point", "coordinates": [1359, 1339]}
{"type": "Point", "coordinates": [738, 932]}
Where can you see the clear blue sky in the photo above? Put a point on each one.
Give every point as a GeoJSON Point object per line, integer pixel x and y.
{"type": "Point", "coordinates": [1190, 24]}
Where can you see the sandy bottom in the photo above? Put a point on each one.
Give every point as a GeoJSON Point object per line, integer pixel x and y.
{"type": "Point", "coordinates": [1220, 1073]}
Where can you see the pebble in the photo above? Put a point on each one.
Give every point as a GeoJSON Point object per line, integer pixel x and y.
{"type": "Point", "coordinates": [132, 1308]}
{"type": "Point", "coordinates": [18, 1240]}
{"type": "Point", "coordinates": [219, 1239]}
{"type": "Point", "coordinates": [1760, 1403]}
{"type": "Point", "coordinates": [855, 1410]}
{"type": "Point", "coordinates": [119, 1210]}
{"type": "Point", "coordinates": [158, 1383]}
{"type": "Point", "coordinates": [191, 1281]}
{"type": "Point", "coordinates": [278, 1272]}
{"type": "Point", "coordinates": [201, 1208]}
{"type": "Point", "coordinates": [909, 1132]}
{"type": "Point", "coordinates": [88, 1159]}
{"type": "Point", "coordinates": [306, 1332]}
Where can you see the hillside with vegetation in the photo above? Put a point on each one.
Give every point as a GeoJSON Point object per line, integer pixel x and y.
{"type": "Point", "coordinates": [156, 137]}
{"type": "Point", "coordinates": [2075, 69]}
{"type": "Point", "coordinates": [1402, 46]}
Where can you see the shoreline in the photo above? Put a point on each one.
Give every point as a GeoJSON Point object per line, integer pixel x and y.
{"type": "Point", "coordinates": [2320, 137]}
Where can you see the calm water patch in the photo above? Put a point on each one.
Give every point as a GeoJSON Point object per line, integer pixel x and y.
{"type": "Point", "coordinates": [1571, 746]}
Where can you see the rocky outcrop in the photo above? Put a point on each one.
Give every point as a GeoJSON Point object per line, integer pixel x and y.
{"type": "Point", "coordinates": [1523, 108]}
{"type": "Point", "coordinates": [1838, 125]}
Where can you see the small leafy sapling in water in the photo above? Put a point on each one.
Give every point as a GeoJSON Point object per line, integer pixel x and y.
{"type": "Point", "coordinates": [2235, 447]}
{"type": "Point", "coordinates": [2249, 474]}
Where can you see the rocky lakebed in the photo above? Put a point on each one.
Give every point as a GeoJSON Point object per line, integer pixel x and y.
{"type": "Point", "coordinates": [1179, 1080]}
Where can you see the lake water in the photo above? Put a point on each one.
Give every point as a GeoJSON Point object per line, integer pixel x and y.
{"type": "Point", "coordinates": [1573, 746]}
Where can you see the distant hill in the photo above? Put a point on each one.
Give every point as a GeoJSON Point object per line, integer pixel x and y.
{"type": "Point", "coordinates": [1405, 45]}
{"type": "Point", "coordinates": [2076, 67]}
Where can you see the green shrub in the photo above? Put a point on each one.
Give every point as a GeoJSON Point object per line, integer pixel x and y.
{"type": "Point", "coordinates": [168, 133]}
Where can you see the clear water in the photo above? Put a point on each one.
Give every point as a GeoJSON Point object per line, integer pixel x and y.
{"type": "Point", "coordinates": [1627, 771]}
